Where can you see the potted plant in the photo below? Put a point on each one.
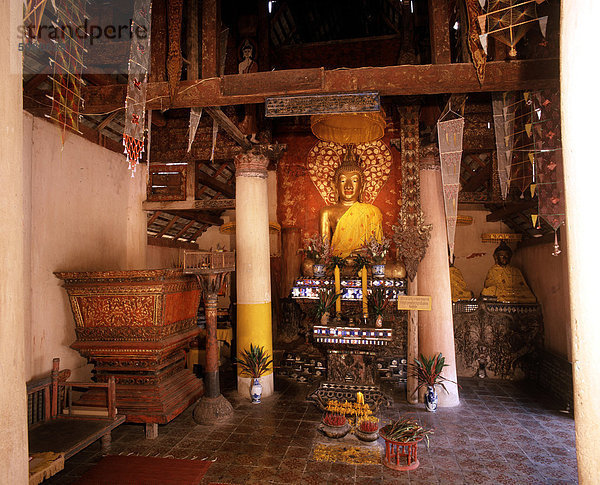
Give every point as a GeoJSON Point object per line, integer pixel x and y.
{"type": "Point", "coordinates": [334, 425]}
{"type": "Point", "coordinates": [327, 299]}
{"type": "Point", "coordinates": [401, 439]}
{"type": "Point", "coordinates": [254, 363]}
{"type": "Point", "coordinates": [318, 250]}
{"type": "Point", "coordinates": [367, 428]}
{"type": "Point", "coordinates": [378, 302]}
{"type": "Point", "coordinates": [376, 250]}
{"type": "Point", "coordinates": [429, 374]}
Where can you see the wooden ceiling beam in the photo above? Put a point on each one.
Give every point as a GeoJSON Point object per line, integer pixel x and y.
{"type": "Point", "coordinates": [185, 229]}
{"type": "Point", "coordinates": [211, 182]}
{"type": "Point", "coordinates": [388, 81]}
{"type": "Point", "coordinates": [167, 242]}
{"type": "Point", "coordinates": [153, 217]}
{"type": "Point", "coordinates": [197, 216]}
{"type": "Point", "coordinates": [511, 208]}
{"type": "Point", "coordinates": [439, 31]}
{"type": "Point", "coordinates": [187, 205]}
{"type": "Point", "coordinates": [479, 178]}
{"type": "Point", "coordinates": [168, 226]}
{"type": "Point", "coordinates": [35, 81]}
{"type": "Point", "coordinates": [229, 126]}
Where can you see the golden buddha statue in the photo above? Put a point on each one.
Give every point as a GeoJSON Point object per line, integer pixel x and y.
{"type": "Point", "coordinates": [458, 285]}
{"type": "Point", "coordinates": [349, 224]}
{"type": "Point", "coordinates": [506, 282]}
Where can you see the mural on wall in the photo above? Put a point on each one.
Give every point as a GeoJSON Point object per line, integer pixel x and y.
{"type": "Point", "coordinates": [305, 175]}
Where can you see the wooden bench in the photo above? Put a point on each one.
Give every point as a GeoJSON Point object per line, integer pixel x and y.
{"type": "Point", "coordinates": [58, 425]}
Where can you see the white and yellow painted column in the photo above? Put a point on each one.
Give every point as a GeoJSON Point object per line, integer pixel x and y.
{"type": "Point", "coordinates": [253, 265]}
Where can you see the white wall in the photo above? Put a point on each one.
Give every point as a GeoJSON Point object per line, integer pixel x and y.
{"type": "Point", "coordinates": [83, 214]}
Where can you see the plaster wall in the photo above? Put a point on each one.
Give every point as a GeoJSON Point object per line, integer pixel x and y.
{"type": "Point", "coordinates": [473, 257]}
{"type": "Point", "coordinates": [84, 214]}
{"type": "Point", "coordinates": [547, 276]}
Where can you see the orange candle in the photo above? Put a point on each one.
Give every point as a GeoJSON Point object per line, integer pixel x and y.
{"type": "Point", "coordinates": [364, 292]}
{"type": "Point", "coordinates": [338, 290]}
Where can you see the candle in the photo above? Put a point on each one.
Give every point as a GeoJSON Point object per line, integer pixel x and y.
{"type": "Point", "coordinates": [338, 302]}
{"type": "Point", "coordinates": [364, 291]}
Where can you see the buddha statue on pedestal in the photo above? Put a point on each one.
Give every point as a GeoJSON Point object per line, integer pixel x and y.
{"type": "Point", "coordinates": [349, 223]}
{"type": "Point", "coordinates": [506, 282]}
{"type": "Point", "coordinates": [458, 285]}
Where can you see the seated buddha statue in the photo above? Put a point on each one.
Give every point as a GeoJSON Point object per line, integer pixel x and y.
{"type": "Point", "coordinates": [506, 282]}
{"type": "Point", "coordinates": [458, 285]}
{"type": "Point", "coordinates": [349, 223]}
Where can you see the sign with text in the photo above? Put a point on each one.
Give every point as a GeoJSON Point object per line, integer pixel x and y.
{"type": "Point", "coordinates": [414, 303]}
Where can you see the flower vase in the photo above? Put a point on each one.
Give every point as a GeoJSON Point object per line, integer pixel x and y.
{"type": "Point", "coordinates": [256, 391]}
{"type": "Point", "coordinates": [378, 270]}
{"type": "Point", "coordinates": [431, 399]}
{"type": "Point", "coordinates": [318, 270]}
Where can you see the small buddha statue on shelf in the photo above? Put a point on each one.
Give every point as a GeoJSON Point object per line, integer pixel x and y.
{"type": "Point", "coordinates": [349, 223]}
{"type": "Point", "coordinates": [458, 285]}
{"type": "Point", "coordinates": [505, 281]}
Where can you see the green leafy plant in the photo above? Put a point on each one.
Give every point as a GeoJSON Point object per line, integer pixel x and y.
{"type": "Point", "coordinates": [360, 260]}
{"type": "Point", "coordinates": [327, 299]}
{"type": "Point", "coordinates": [336, 261]}
{"type": "Point", "coordinates": [404, 430]}
{"type": "Point", "coordinates": [254, 362]}
{"type": "Point", "coordinates": [377, 300]}
{"type": "Point", "coordinates": [429, 371]}
{"type": "Point", "coordinates": [376, 250]}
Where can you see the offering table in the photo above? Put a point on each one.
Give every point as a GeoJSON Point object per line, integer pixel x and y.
{"type": "Point", "coordinates": [136, 325]}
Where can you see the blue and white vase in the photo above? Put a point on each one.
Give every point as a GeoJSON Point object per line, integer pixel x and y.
{"type": "Point", "coordinates": [256, 391]}
{"type": "Point", "coordinates": [431, 399]}
{"type": "Point", "coordinates": [378, 270]}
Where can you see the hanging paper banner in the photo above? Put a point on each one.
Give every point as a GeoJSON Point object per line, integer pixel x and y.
{"type": "Point", "coordinates": [504, 132]}
{"type": "Point", "coordinates": [532, 189]}
{"type": "Point", "coordinates": [481, 19]}
{"type": "Point", "coordinates": [543, 25]}
{"type": "Point", "coordinates": [139, 62]}
{"type": "Point", "coordinates": [195, 115]}
{"type": "Point", "coordinates": [215, 130]}
{"type": "Point", "coordinates": [477, 37]}
{"type": "Point", "coordinates": [534, 218]}
{"type": "Point", "coordinates": [548, 158]}
{"type": "Point", "coordinates": [482, 3]}
{"type": "Point", "coordinates": [67, 66]}
{"type": "Point", "coordinates": [450, 143]}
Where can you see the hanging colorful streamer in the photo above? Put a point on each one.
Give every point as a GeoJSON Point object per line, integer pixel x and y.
{"type": "Point", "coordinates": [67, 65]}
{"type": "Point", "coordinates": [548, 160]}
{"type": "Point", "coordinates": [450, 143]}
{"type": "Point", "coordinates": [476, 41]}
{"type": "Point", "coordinates": [135, 103]}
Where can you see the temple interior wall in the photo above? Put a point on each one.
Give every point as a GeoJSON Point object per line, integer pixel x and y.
{"type": "Point", "coordinates": [547, 276]}
{"type": "Point", "coordinates": [83, 213]}
{"type": "Point", "coordinates": [472, 256]}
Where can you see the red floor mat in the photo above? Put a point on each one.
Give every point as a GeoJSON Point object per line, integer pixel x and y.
{"type": "Point", "coordinates": [143, 470]}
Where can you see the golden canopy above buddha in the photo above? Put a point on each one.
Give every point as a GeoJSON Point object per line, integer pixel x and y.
{"type": "Point", "coordinates": [349, 223]}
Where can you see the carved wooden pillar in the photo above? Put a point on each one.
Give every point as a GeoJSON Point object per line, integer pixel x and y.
{"type": "Point", "coordinates": [213, 406]}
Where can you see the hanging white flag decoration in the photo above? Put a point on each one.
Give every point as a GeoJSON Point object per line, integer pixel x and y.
{"type": "Point", "coordinates": [195, 115]}
{"type": "Point", "coordinates": [215, 130]}
{"type": "Point", "coordinates": [483, 40]}
{"type": "Point", "coordinates": [543, 24]}
{"type": "Point", "coordinates": [450, 143]}
{"type": "Point", "coordinates": [482, 3]}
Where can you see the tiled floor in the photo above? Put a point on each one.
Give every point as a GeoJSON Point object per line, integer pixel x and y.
{"type": "Point", "coordinates": [502, 433]}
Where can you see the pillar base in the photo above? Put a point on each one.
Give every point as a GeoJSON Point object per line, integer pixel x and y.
{"type": "Point", "coordinates": [244, 384]}
{"type": "Point", "coordinates": [210, 410]}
